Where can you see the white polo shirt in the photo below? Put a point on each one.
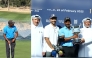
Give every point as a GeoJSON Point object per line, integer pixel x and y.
{"type": "Point", "coordinates": [52, 33]}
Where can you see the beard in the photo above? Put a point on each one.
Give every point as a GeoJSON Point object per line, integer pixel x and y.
{"type": "Point", "coordinates": [87, 26]}
{"type": "Point", "coordinates": [54, 23]}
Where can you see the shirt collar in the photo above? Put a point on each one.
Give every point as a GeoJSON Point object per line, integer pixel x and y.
{"type": "Point", "coordinates": [88, 27]}
{"type": "Point", "coordinates": [52, 26]}
{"type": "Point", "coordinates": [67, 28]}
{"type": "Point", "coordinates": [10, 27]}
{"type": "Point", "coordinates": [33, 26]}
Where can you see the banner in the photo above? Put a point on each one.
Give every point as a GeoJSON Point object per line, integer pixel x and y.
{"type": "Point", "coordinates": [77, 10]}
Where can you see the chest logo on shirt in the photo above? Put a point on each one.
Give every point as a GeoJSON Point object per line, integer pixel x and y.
{"type": "Point", "coordinates": [12, 28]}
{"type": "Point", "coordinates": [40, 31]}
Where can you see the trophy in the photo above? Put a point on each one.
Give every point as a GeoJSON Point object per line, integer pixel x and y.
{"type": "Point", "coordinates": [76, 31]}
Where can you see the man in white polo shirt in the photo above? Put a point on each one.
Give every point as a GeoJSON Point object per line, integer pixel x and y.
{"type": "Point", "coordinates": [51, 35]}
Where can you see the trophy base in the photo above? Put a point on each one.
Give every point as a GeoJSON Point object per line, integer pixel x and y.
{"type": "Point", "coordinates": [77, 41]}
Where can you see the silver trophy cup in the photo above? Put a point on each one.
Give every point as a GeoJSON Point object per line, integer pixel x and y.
{"type": "Point", "coordinates": [76, 31]}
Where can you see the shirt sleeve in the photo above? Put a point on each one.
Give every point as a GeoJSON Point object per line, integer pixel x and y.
{"type": "Point", "coordinates": [44, 45]}
{"type": "Point", "coordinates": [61, 32]}
{"type": "Point", "coordinates": [46, 32]}
{"type": "Point", "coordinates": [4, 30]}
{"type": "Point", "coordinates": [16, 29]}
{"type": "Point", "coordinates": [88, 39]}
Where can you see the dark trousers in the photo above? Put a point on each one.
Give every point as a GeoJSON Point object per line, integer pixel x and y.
{"type": "Point", "coordinates": [76, 49]}
{"type": "Point", "coordinates": [8, 49]}
{"type": "Point", "coordinates": [69, 51]}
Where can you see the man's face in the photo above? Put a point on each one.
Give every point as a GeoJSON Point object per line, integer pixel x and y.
{"type": "Point", "coordinates": [11, 24]}
{"type": "Point", "coordinates": [53, 21]}
{"type": "Point", "coordinates": [67, 23]}
{"type": "Point", "coordinates": [36, 21]}
{"type": "Point", "coordinates": [87, 23]}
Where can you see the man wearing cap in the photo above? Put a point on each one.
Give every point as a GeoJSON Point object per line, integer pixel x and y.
{"type": "Point", "coordinates": [67, 35]}
{"type": "Point", "coordinates": [10, 34]}
{"type": "Point", "coordinates": [51, 35]}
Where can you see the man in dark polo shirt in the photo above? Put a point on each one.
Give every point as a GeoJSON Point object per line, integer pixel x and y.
{"type": "Point", "coordinates": [10, 34]}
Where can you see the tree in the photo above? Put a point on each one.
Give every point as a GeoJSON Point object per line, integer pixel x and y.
{"type": "Point", "coordinates": [17, 3]}
{"type": "Point", "coordinates": [5, 3]}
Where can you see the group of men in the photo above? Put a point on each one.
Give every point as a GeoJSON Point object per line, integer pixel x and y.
{"type": "Point", "coordinates": [43, 38]}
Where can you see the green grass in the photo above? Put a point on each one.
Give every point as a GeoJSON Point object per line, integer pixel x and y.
{"type": "Point", "coordinates": [22, 49]}
{"type": "Point", "coordinates": [15, 16]}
